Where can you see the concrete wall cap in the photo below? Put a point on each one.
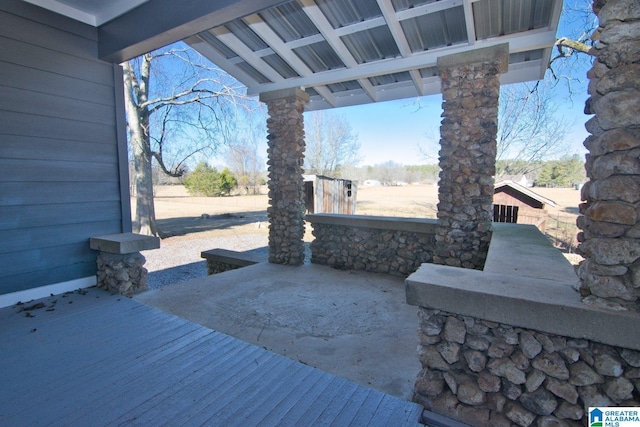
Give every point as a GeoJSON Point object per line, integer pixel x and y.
{"type": "Point", "coordinates": [124, 243]}
{"type": "Point", "coordinates": [284, 93]}
{"type": "Point", "coordinates": [417, 225]}
{"type": "Point", "coordinates": [500, 52]}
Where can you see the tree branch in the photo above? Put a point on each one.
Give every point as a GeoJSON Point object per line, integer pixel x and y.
{"type": "Point", "coordinates": [573, 45]}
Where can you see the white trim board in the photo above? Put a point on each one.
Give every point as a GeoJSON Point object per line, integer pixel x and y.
{"type": "Point", "coordinates": [7, 300]}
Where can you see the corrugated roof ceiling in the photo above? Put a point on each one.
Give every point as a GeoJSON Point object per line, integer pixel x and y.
{"type": "Point", "coordinates": [348, 52]}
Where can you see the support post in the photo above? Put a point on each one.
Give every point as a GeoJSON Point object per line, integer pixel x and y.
{"type": "Point", "coordinates": [286, 186]}
{"type": "Point", "coordinates": [610, 214]}
{"type": "Point", "coordinates": [470, 90]}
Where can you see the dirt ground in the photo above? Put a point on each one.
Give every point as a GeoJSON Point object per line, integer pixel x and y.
{"type": "Point", "coordinates": [180, 215]}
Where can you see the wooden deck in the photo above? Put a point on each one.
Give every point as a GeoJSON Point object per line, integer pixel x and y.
{"type": "Point", "coordinates": [90, 358]}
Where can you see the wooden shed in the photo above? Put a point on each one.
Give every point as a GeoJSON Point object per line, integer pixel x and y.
{"type": "Point", "coordinates": [329, 195]}
{"type": "Point", "coordinates": [515, 203]}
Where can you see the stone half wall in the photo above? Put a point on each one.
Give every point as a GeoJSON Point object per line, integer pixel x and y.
{"type": "Point", "coordinates": [514, 344]}
{"type": "Point", "coordinates": [396, 246]}
{"type": "Point", "coordinates": [490, 374]}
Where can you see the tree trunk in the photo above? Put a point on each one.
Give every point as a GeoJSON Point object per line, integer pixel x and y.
{"type": "Point", "coordinates": [144, 221]}
{"type": "Point", "coordinates": [145, 214]}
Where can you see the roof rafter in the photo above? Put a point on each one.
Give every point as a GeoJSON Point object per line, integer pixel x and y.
{"type": "Point", "coordinates": [324, 26]}
{"type": "Point", "coordinates": [234, 43]}
{"type": "Point", "coordinates": [393, 23]}
{"type": "Point", "coordinates": [261, 28]}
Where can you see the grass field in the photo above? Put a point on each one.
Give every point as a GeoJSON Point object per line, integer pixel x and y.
{"type": "Point", "coordinates": [180, 215]}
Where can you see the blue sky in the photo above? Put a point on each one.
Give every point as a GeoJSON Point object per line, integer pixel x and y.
{"type": "Point", "coordinates": [394, 130]}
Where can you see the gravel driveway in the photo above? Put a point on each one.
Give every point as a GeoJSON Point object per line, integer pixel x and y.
{"type": "Point", "coordinates": [179, 260]}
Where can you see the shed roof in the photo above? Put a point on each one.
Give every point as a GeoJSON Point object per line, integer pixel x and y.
{"type": "Point", "coordinates": [524, 190]}
{"type": "Point", "coordinates": [350, 52]}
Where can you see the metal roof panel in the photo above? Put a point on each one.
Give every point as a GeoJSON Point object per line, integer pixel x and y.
{"type": "Point", "coordinates": [371, 45]}
{"type": "Point", "coordinates": [342, 13]}
{"type": "Point", "coordinates": [433, 30]}
{"type": "Point", "coordinates": [319, 57]}
{"type": "Point", "coordinates": [289, 22]}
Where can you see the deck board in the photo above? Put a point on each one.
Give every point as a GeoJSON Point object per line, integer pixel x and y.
{"type": "Point", "coordinates": [110, 360]}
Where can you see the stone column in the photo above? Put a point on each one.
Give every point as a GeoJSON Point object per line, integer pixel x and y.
{"type": "Point", "coordinates": [286, 185]}
{"type": "Point", "coordinates": [470, 91]}
{"type": "Point", "coordinates": [610, 214]}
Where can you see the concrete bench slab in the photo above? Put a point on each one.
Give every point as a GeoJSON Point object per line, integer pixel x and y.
{"type": "Point", "coordinates": [124, 243]}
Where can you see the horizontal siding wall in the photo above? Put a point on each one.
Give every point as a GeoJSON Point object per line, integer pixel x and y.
{"type": "Point", "coordinates": [58, 148]}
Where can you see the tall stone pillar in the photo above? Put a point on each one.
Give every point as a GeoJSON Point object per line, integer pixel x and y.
{"type": "Point", "coordinates": [286, 185]}
{"type": "Point", "coordinates": [610, 212]}
{"type": "Point", "coordinates": [470, 91]}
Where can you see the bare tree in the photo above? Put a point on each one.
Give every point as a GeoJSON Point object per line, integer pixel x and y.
{"type": "Point", "coordinates": [330, 144]}
{"type": "Point", "coordinates": [243, 153]}
{"type": "Point", "coordinates": [573, 50]}
{"type": "Point", "coordinates": [529, 130]}
{"type": "Point", "coordinates": [177, 106]}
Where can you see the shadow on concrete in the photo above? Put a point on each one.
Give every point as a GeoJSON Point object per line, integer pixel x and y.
{"type": "Point", "coordinates": [186, 225]}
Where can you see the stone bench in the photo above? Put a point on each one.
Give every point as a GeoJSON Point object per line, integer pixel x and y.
{"type": "Point", "coordinates": [220, 260]}
{"type": "Point", "coordinates": [120, 263]}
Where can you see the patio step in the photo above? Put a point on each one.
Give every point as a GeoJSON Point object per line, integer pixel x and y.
{"type": "Point", "coordinates": [92, 358]}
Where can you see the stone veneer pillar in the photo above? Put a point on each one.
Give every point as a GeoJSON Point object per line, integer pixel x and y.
{"type": "Point", "coordinates": [286, 185]}
{"type": "Point", "coordinates": [610, 214]}
{"type": "Point", "coordinates": [470, 91]}
{"type": "Point", "coordinates": [120, 265]}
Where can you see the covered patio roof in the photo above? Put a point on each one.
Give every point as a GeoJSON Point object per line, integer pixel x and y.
{"type": "Point", "coordinates": [341, 52]}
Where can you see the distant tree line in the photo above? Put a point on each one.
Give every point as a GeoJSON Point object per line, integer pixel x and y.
{"type": "Point", "coordinates": [567, 171]}
{"type": "Point", "coordinates": [204, 180]}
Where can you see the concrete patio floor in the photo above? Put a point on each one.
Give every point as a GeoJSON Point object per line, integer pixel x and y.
{"type": "Point", "coordinates": [355, 325]}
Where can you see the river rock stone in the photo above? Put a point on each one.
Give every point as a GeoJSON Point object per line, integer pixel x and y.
{"type": "Point", "coordinates": [552, 365]}
{"type": "Point", "coordinates": [499, 349]}
{"type": "Point", "coordinates": [519, 415]}
{"type": "Point", "coordinates": [450, 352]}
{"type": "Point", "coordinates": [476, 361]}
{"type": "Point", "coordinates": [505, 368]}
{"type": "Point", "coordinates": [632, 357]}
{"type": "Point", "coordinates": [583, 375]}
{"type": "Point", "coordinates": [429, 383]}
{"type": "Point", "coordinates": [534, 380]}
{"type": "Point", "coordinates": [470, 393]}
{"type": "Point", "coordinates": [592, 397]}
{"type": "Point", "coordinates": [530, 346]}
{"type": "Point", "coordinates": [454, 330]}
{"type": "Point", "coordinates": [540, 402]}
{"type": "Point", "coordinates": [615, 212]}
{"type": "Point", "coordinates": [611, 251]}
{"type": "Point", "coordinates": [510, 390]}
{"type": "Point", "coordinates": [568, 411]}
{"type": "Point", "coordinates": [432, 358]}
{"type": "Point", "coordinates": [488, 382]}
{"type": "Point", "coordinates": [619, 389]}
{"type": "Point", "coordinates": [608, 364]}
{"type": "Point", "coordinates": [562, 389]}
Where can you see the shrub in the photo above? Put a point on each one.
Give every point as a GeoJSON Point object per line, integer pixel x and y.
{"type": "Point", "coordinates": [207, 181]}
